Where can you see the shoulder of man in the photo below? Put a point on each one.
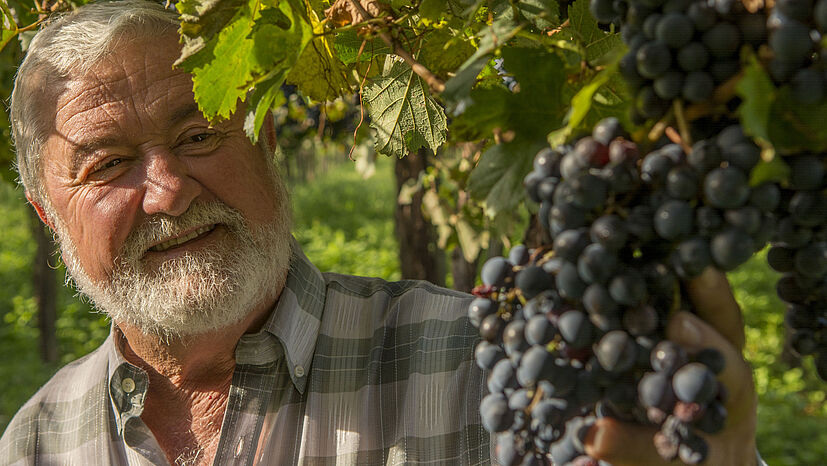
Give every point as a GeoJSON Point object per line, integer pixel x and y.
{"type": "Point", "coordinates": [67, 412]}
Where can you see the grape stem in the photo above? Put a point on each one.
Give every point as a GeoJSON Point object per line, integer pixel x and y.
{"type": "Point", "coordinates": [434, 83]}
{"type": "Point", "coordinates": [683, 126]}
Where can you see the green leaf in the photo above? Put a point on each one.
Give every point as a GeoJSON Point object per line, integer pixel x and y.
{"type": "Point", "coordinates": [757, 93]}
{"type": "Point", "coordinates": [9, 26]}
{"type": "Point", "coordinates": [443, 52]}
{"type": "Point", "coordinates": [248, 51]}
{"type": "Point", "coordinates": [797, 126]}
{"type": "Point", "coordinates": [403, 112]}
{"type": "Point", "coordinates": [776, 170]}
{"type": "Point", "coordinates": [596, 42]}
{"type": "Point", "coordinates": [498, 177]}
{"type": "Point", "coordinates": [318, 72]}
{"type": "Point", "coordinates": [542, 14]}
{"type": "Point", "coordinates": [201, 20]}
{"type": "Point", "coordinates": [267, 95]}
{"type": "Point", "coordinates": [458, 88]}
{"type": "Point", "coordinates": [532, 112]}
{"type": "Point", "coordinates": [348, 43]}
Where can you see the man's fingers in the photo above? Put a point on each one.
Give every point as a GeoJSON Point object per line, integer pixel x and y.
{"type": "Point", "coordinates": [693, 333]}
{"type": "Point", "coordinates": [623, 444]}
{"type": "Point", "coordinates": [713, 300]}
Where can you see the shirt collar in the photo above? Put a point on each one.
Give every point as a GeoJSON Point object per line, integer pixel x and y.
{"type": "Point", "coordinates": [298, 314]}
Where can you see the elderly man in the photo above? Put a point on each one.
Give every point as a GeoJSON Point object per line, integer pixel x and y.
{"type": "Point", "coordinates": [227, 346]}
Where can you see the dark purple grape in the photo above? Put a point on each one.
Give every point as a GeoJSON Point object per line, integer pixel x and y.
{"type": "Point", "coordinates": [655, 390]}
{"type": "Point", "coordinates": [607, 130]}
{"type": "Point", "coordinates": [744, 155]}
{"type": "Point", "coordinates": [602, 10]}
{"type": "Point", "coordinates": [479, 309]}
{"type": "Point", "coordinates": [692, 257]}
{"type": "Point", "coordinates": [518, 255]}
{"type": "Point", "coordinates": [570, 243]}
{"type": "Point", "coordinates": [487, 355]}
{"type": "Point", "coordinates": [502, 376]}
{"type": "Point", "coordinates": [496, 416]}
{"type": "Point", "coordinates": [668, 357]}
{"type": "Point", "coordinates": [806, 172]}
{"type": "Point", "coordinates": [495, 271]}
{"type": "Point", "coordinates": [628, 288]}
{"type": "Point", "coordinates": [616, 351]}
{"type": "Point", "coordinates": [674, 220]}
{"type": "Point", "coordinates": [653, 59]}
{"type": "Point", "coordinates": [705, 156]}
{"type": "Point", "coordinates": [731, 248]}
{"type": "Point", "coordinates": [765, 196]}
{"type": "Point", "coordinates": [674, 29]}
{"type": "Point", "coordinates": [668, 85]}
{"type": "Point", "coordinates": [694, 383]}
{"type": "Point", "coordinates": [726, 188]}
{"type": "Point", "coordinates": [538, 330]}
{"type": "Point", "coordinates": [703, 16]}
{"type": "Point", "coordinates": [575, 328]}
{"type": "Point", "coordinates": [532, 281]}
{"type": "Point", "coordinates": [609, 231]}
{"type": "Point", "coordinates": [698, 86]}
{"type": "Point", "coordinates": [640, 320]}
{"type": "Point", "coordinates": [799, 10]}
{"type": "Point", "coordinates": [722, 40]}
{"type": "Point", "coordinates": [569, 283]}
{"type": "Point", "coordinates": [791, 42]}
{"type": "Point", "coordinates": [596, 263]}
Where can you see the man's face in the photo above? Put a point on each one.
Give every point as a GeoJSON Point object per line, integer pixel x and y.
{"type": "Point", "coordinates": [166, 222]}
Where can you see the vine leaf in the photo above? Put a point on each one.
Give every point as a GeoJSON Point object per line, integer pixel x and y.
{"type": "Point", "coordinates": [318, 73]}
{"type": "Point", "coordinates": [757, 93]}
{"type": "Point", "coordinates": [251, 48]}
{"type": "Point", "coordinates": [403, 112]}
{"type": "Point", "coordinates": [348, 43]}
{"type": "Point", "coordinates": [498, 176]}
{"type": "Point", "coordinates": [9, 26]}
{"type": "Point", "coordinates": [596, 42]}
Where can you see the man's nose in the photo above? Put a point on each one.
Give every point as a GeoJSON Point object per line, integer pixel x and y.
{"type": "Point", "coordinates": [169, 188]}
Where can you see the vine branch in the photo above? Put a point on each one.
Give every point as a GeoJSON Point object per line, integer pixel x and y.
{"type": "Point", "coordinates": [434, 82]}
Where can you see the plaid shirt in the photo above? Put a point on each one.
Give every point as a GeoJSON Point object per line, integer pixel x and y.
{"type": "Point", "coordinates": [347, 370]}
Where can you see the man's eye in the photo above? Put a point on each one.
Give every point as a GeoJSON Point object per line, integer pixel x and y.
{"type": "Point", "coordinates": [200, 137]}
{"type": "Point", "coordinates": [108, 164]}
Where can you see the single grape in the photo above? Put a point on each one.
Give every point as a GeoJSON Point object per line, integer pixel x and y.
{"type": "Point", "coordinates": [694, 383]}
{"type": "Point", "coordinates": [495, 271]}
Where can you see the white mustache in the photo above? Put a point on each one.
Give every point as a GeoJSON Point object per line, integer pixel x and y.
{"type": "Point", "coordinates": [161, 228]}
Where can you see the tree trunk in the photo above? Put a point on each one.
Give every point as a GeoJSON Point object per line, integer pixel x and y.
{"type": "Point", "coordinates": [45, 289]}
{"type": "Point", "coordinates": [419, 256]}
{"type": "Point", "coordinates": [464, 272]}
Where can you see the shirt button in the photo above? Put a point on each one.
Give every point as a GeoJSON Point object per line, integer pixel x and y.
{"type": "Point", "coordinates": [128, 385]}
{"type": "Point", "coordinates": [299, 370]}
{"type": "Point", "coordinates": [239, 448]}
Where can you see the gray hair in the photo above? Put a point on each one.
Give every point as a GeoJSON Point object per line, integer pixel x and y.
{"type": "Point", "coordinates": [69, 45]}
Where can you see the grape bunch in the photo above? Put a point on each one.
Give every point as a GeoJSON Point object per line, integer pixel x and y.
{"type": "Point", "coordinates": [679, 49]}
{"type": "Point", "coordinates": [795, 29]}
{"type": "Point", "coordinates": [575, 330]}
{"type": "Point", "coordinates": [799, 253]}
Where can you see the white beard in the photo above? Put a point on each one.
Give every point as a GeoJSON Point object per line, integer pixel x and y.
{"type": "Point", "coordinates": [196, 292]}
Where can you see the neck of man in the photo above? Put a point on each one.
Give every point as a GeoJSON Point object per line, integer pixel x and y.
{"type": "Point", "coordinates": [189, 382]}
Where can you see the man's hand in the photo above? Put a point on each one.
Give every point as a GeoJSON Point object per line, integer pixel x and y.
{"type": "Point", "coordinates": [718, 325]}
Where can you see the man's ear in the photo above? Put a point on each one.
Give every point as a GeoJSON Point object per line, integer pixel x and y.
{"type": "Point", "coordinates": [41, 212]}
{"type": "Point", "coordinates": [268, 132]}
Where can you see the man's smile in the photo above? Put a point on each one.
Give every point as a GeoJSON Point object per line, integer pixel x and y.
{"type": "Point", "coordinates": [178, 240]}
